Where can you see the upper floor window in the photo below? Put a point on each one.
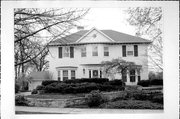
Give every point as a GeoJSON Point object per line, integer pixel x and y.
{"type": "Point", "coordinates": [106, 51]}
{"type": "Point", "coordinates": [135, 50]}
{"type": "Point", "coordinates": [124, 51]}
{"type": "Point", "coordinates": [66, 51]}
{"type": "Point", "coordinates": [83, 52]}
{"type": "Point", "coordinates": [95, 51]}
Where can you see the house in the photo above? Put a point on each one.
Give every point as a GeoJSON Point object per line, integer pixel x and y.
{"type": "Point", "coordinates": [36, 79]}
{"type": "Point", "coordinates": [80, 54]}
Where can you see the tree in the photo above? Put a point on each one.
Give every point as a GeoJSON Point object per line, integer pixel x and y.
{"type": "Point", "coordinates": [33, 25]}
{"type": "Point", "coordinates": [119, 66]}
{"type": "Point", "coordinates": [147, 21]}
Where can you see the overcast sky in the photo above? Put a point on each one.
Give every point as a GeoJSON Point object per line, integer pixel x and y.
{"type": "Point", "coordinates": [108, 18]}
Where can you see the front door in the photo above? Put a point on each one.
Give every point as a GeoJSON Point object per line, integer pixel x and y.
{"type": "Point", "coordinates": [95, 73]}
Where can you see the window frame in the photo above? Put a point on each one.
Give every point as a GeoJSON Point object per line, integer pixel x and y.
{"type": "Point", "coordinates": [132, 76]}
{"type": "Point", "coordinates": [66, 54]}
{"type": "Point", "coordinates": [65, 77]}
{"type": "Point", "coordinates": [95, 51]}
{"type": "Point", "coordinates": [83, 52]}
{"type": "Point", "coordinates": [73, 77]}
{"type": "Point", "coordinates": [106, 51]}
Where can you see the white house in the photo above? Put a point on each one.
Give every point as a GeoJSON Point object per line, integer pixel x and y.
{"type": "Point", "coordinates": [80, 54]}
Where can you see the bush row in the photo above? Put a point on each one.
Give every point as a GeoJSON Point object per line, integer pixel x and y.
{"type": "Point", "coordinates": [82, 80]}
{"type": "Point", "coordinates": [80, 88]}
{"type": "Point", "coordinates": [146, 83]}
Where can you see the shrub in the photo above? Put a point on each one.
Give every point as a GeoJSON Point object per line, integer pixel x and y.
{"type": "Point", "coordinates": [144, 83]}
{"type": "Point", "coordinates": [48, 82]}
{"type": "Point", "coordinates": [34, 91]}
{"type": "Point", "coordinates": [40, 87]}
{"type": "Point", "coordinates": [158, 99]}
{"type": "Point", "coordinates": [17, 87]}
{"type": "Point", "coordinates": [20, 100]}
{"type": "Point", "coordinates": [156, 82]}
{"type": "Point", "coordinates": [88, 80]}
{"type": "Point", "coordinates": [95, 98]}
{"type": "Point", "coordinates": [116, 82]}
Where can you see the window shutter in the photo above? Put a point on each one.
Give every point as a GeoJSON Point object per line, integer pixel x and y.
{"type": "Point", "coordinates": [60, 52]}
{"type": "Point", "coordinates": [71, 52]}
{"type": "Point", "coordinates": [135, 50]}
{"type": "Point", "coordinates": [124, 51]}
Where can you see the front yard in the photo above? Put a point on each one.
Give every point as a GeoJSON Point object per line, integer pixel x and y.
{"type": "Point", "coordinates": [93, 94]}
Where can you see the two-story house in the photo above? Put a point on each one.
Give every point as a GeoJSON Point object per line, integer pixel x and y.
{"type": "Point", "coordinates": [80, 54]}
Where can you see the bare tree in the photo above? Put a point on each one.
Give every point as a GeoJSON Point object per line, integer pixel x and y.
{"type": "Point", "coordinates": [119, 66]}
{"type": "Point", "coordinates": [45, 25]}
{"type": "Point", "coordinates": [147, 21]}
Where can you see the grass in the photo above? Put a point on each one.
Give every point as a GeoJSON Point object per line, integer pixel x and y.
{"type": "Point", "coordinates": [55, 96]}
{"type": "Point", "coordinates": [131, 104]}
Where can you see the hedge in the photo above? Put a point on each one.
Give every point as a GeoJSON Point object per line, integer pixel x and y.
{"type": "Point", "coordinates": [88, 80]}
{"type": "Point", "coordinates": [146, 83]}
{"type": "Point", "coordinates": [47, 82]}
{"type": "Point", "coordinates": [80, 88]}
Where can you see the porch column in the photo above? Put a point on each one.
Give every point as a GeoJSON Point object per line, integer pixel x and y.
{"type": "Point", "coordinates": [136, 76]}
{"type": "Point", "coordinates": [91, 73]}
{"type": "Point", "coordinates": [69, 74]}
{"type": "Point", "coordinates": [61, 75]}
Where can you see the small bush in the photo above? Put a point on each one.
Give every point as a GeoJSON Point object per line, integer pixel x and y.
{"type": "Point", "coordinates": [116, 82]}
{"type": "Point", "coordinates": [144, 83]}
{"type": "Point", "coordinates": [158, 99]}
{"type": "Point", "coordinates": [48, 82]}
{"type": "Point", "coordinates": [17, 87]}
{"type": "Point", "coordinates": [156, 82]}
{"type": "Point", "coordinates": [40, 87]}
{"type": "Point", "coordinates": [34, 91]}
{"type": "Point", "coordinates": [20, 100]}
{"type": "Point", "coordinates": [95, 98]}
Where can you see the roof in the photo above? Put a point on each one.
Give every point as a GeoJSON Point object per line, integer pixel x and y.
{"type": "Point", "coordinates": [39, 75]}
{"type": "Point", "coordinates": [118, 37]}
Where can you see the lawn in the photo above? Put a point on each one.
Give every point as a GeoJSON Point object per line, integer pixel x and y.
{"type": "Point", "coordinates": [55, 96]}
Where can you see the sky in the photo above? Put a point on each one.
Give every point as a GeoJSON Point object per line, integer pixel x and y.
{"type": "Point", "coordinates": [107, 18]}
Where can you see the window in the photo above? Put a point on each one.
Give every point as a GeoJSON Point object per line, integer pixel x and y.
{"type": "Point", "coordinates": [83, 71]}
{"type": "Point", "coordinates": [59, 75]}
{"type": "Point", "coordinates": [129, 53]}
{"type": "Point", "coordinates": [124, 51]}
{"type": "Point", "coordinates": [95, 51]}
{"type": "Point", "coordinates": [66, 51]}
{"type": "Point", "coordinates": [73, 76]}
{"type": "Point", "coordinates": [135, 50]}
{"type": "Point", "coordinates": [83, 52]}
{"type": "Point", "coordinates": [65, 75]}
{"type": "Point", "coordinates": [132, 75]}
{"type": "Point", "coordinates": [106, 51]}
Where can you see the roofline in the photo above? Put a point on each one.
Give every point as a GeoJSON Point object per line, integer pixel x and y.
{"type": "Point", "coordinates": [110, 43]}
{"type": "Point", "coordinates": [91, 31]}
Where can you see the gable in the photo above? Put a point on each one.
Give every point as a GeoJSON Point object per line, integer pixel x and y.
{"type": "Point", "coordinates": [94, 36]}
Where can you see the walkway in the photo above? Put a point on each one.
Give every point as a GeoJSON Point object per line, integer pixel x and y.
{"type": "Point", "coordinates": [80, 110]}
